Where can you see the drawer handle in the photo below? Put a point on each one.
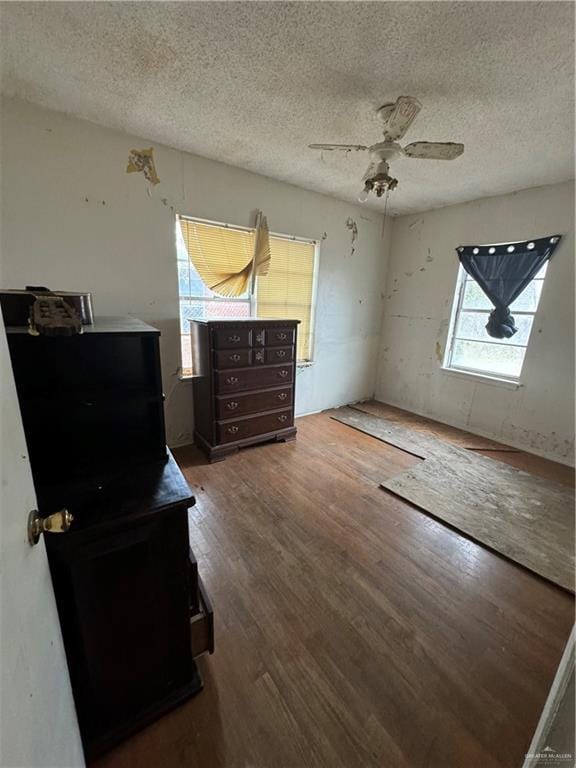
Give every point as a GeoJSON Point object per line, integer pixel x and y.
{"type": "Point", "coordinates": [260, 356]}
{"type": "Point", "coordinates": [232, 406]}
{"type": "Point", "coordinates": [283, 418]}
{"type": "Point", "coordinates": [282, 336]}
{"type": "Point", "coordinates": [283, 374]}
{"type": "Point", "coordinates": [260, 338]}
{"type": "Point", "coordinates": [234, 339]}
{"type": "Point", "coordinates": [282, 396]}
{"type": "Point", "coordinates": [232, 380]}
{"type": "Point", "coordinates": [281, 353]}
{"type": "Point", "coordinates": [232, 430]}
{"type": "Point", "coordinates": [234, 358]}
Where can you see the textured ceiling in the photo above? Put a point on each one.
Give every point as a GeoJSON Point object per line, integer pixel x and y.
{"type": "Point", "coordinates": [251, 84]}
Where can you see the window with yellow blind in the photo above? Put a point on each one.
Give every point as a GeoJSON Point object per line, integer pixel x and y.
{"type": "Point", "coordinates": [212, 254]}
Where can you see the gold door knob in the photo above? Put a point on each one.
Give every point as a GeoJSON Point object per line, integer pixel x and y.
{"type": "Point", "coordinates": [59, 522]}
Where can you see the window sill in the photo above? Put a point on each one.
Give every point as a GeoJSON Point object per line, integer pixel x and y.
{"type": "Point", "coordinates": [483, 378]}
{"type": "Point", "coordinates": [191, 377]}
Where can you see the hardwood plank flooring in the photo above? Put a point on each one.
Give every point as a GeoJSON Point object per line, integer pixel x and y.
{"type": "Point", "coordinates": [352, 631]}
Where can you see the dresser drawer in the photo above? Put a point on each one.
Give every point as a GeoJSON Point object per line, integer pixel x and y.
{"type": "Point", "coordinates": [279, 355]}
{"type": "Point", "coordinates": [253, 378]}
{"type": "Point", "coordinates": [239, 405]}
{"type": "Point", "coordinates": [231, 338]}
{"type": "Point", "coordinates": [201, 624]}
{"type": "Point", "coordinates": [280, 337]}
{"type": "Point", "coordinates": [228, 358]}
{"type": "Point", "coordinates": [231, 431]}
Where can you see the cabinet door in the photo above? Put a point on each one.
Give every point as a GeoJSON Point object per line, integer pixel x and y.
{"type": "Point", "coordinates": [123, 603]}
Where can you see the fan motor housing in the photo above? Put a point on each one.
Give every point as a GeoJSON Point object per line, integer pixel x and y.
{"type": "Point", "coordinates": [386, 150]}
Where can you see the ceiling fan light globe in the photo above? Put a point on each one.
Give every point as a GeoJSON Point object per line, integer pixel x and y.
{"type": "Point", "coordinates": [385, 111]}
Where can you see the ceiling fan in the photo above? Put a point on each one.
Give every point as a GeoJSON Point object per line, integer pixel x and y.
{"type": "Point", "coordinates": [396, 119]}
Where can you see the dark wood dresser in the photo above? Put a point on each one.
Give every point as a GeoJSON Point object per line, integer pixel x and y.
{"type": "Point", "coordinates": [244, 383]}
{"type": "Point", "coordinates": [132, 607]}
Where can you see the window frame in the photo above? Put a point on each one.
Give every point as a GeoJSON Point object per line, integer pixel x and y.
{"type": "Point", "coordinates": [457, 308]}
{"type": "Point", "coordinates": [252, 298]}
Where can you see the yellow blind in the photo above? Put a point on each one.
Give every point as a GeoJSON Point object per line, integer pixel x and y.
{"type": "Point", "coordinates": [286, 291]}
{"type": "Point", "coordinates": [222, 256]}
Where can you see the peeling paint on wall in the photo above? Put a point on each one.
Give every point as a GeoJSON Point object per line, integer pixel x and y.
{"type": "Point", "coordinates": [353, 227]}
{"type": "Point", "coordinates": [439, 352]}
{"type": "Point", "coordinates": [142, 161]}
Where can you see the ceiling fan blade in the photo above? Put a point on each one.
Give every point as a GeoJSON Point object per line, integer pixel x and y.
{"type": "Point", "coordinates": [405, 111]}
{"type": "Point", "coordinates": [434, 150]}
{"type": "Point", "coordinates": [341, 147]}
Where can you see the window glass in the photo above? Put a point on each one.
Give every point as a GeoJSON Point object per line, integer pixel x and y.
{"type": "Point", "coordinates": [470, 348]}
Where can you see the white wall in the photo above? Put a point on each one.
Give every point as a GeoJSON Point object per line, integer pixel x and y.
{"type": "Point", "coordinates": [421, 279]}
{"type": "Point", "coordinates": [72, 218]}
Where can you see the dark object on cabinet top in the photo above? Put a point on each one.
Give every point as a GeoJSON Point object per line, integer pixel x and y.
{"type": "Point", "coordinates": [52, 316]}
{"type": "Point", "coordinates": [121, 325]}
{"type": "Point", "coordinates": [16, 304]}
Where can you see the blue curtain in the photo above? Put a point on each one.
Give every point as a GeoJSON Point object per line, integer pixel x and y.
{"type": "Point", "coordinates": [503, 271]}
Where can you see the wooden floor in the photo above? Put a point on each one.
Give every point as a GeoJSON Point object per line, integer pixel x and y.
{"type": "Point", "coordinates": [352, 630]}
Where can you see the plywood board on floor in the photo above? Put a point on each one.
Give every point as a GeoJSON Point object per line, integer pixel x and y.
{"type": "Point", "coordinates": [444, 432]}
{"type": "Point", "coordinates": [526, 518]}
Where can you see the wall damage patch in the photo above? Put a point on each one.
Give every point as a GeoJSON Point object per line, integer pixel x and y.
{"type": "Point", "coordinates": [353, 227]}
{"type": "Point", "coordinates": [142, 161]}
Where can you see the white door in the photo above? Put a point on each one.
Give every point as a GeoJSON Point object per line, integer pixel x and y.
{"type": "Point", "coordinates": [38, 726]}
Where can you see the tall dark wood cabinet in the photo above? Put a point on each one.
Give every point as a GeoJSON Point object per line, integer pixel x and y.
{"type": "Point", "coordinates": [244, 383]}
{"type": "Point", "coordinates": [133, 611]}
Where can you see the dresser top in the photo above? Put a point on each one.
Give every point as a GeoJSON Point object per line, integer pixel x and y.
{"type": "Point", "coordinates": [224, 321]}
{"type": "Point", "coordinates": [116, 497]}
